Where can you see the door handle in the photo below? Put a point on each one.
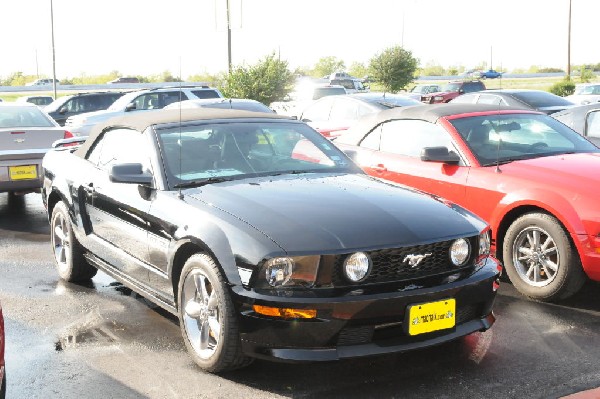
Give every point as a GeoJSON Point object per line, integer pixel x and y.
{"type": "Point", "coordinates": [379, 168]}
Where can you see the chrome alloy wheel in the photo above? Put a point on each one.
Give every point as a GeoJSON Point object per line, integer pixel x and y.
{"type": "Point", "coordinates": [536, 256]}
{"type": "Point", "coordinates": [202, 316]}
{"type": "Point", "coordinates": [61, 229]}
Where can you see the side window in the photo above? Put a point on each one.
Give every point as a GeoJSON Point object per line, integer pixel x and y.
{"type": "Point", "coordinates": [205, 94]}
{"type": "Point", "coordinates": [146, 101]}
{"type": "Point", "coordinates": [170, 97]}
{"type": "Point", "coordinates": [592, 123]}
{"type": "Point", "coordinates": [372, 140]}
{"type": "Point", "coordinates": [120, 146]}
{"type": "Point", "coordinates": [409, 137]}
{"type": "Point", "coordinates": [319, 111]}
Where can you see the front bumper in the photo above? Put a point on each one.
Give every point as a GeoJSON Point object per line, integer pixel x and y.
{"type": "Point", "coordinates": [358, 324]}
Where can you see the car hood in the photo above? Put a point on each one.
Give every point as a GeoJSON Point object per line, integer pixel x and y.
{"type": "Point", "coordinates": [568, 172]}
{"type": "Point", "coordinates": [315, 213]}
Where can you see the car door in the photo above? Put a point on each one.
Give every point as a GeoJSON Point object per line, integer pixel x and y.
{"type": "Point", "coordinates": [118, 212]}
{"type": "Point", "coordinates": [397, 157]}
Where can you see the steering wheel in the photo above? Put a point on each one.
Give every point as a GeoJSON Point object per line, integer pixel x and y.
{"type": "Point", "coordinates": [538, 145]}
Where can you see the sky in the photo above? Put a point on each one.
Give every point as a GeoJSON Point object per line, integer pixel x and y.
{"type": "Point", "coordinates": [188, 37]}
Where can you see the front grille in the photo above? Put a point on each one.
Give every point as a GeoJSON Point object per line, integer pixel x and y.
{"type": "Point", "coordinates": [389, 265]}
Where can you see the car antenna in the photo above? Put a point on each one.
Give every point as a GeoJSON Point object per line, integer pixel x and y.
{"type": "Point", "coordinates": [180, 193]}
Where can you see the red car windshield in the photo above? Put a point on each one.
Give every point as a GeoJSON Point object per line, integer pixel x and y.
{"type": "Point", "coordinates": [501, 138]}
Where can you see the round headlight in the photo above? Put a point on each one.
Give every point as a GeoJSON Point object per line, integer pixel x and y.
{"type": "Point", "coordinates": [357, 266]}
{"type": "Point", "coordinates": [279, 271]}
{"type": "Point", "coordinates": [459, 251]}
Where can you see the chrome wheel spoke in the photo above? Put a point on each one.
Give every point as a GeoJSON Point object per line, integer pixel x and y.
{"type": "Point", "coordinates": [204, 336]}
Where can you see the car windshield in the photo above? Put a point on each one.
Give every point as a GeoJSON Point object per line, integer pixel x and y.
{"type": "Point", "coordinates": [451, 87]}
{"type": "Point", "coordinates": [121, 102]}
{"type": "Point", "coordinates": [327, 91]}
{"type": "Point", "coordinates": [56, 104]}
{"type": "Point", "coordinates": [29, 116]}
{"type": "Point", "coordinates": [194, 155]}
{"type": "Point", "coordinates": [502, 138]}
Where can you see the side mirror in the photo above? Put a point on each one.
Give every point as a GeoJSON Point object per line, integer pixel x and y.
{"type": "Point", "coordinates": [461, 91]}
{"type": "Point", "coordinates": [439, 154]}
{"type": "Point", "coordinates": [62, 110]}
{"type": "Point", "coordinates": [130, 173]}
{"type": "Point", "coordinates": [130, 107]}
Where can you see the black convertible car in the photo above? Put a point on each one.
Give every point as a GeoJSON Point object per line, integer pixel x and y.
{"type": "Point", "coordinates": [265, 239]}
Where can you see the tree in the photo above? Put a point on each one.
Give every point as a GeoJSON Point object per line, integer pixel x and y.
{"type": "Point", "coordinates": [267, 81]}
{"type": "Point", "coordinates": [394, 68]}
{"type": "Point", "coordinates": [327, 65]}
{"type": "Point", "coordinates": [358, 69]}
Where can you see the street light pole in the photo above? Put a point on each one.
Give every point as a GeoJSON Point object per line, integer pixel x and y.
{"type": "Point", "coordinates": [569, 45]}
{"type": "Point", "coordinates": [228, 38]}
{"type": "Point", "coordinates": [53, 54]}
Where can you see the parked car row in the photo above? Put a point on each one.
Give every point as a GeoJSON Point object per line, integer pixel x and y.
{"type": "Point", "coordinates": [385, 232]}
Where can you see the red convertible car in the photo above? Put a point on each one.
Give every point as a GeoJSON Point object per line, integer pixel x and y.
{"type": "Point", "coordinates": [532, 178]}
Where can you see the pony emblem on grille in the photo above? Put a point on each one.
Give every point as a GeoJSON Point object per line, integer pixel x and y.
{"type": "Point", "coordinates": [414, 260]}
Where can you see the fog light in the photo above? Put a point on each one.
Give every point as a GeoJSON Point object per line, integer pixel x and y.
{"type": "Point", "coordinates": [357, 266]}
{"type": "Point", "coordinates": [459, 252]}
{"type": "Point", "coordinates": [286, 313]}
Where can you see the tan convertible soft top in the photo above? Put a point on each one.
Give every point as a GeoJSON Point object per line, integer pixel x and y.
{"type": "Point", "coordinates": [141, 120]}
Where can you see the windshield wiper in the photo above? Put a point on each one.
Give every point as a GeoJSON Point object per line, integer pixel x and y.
{"type": "Point", "coordinates": [202, 182]}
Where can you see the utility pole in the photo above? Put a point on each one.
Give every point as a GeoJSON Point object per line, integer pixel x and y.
{"type": "Point", "coordinates": [491, 57]}
{"type": "Point", "coordinates": [569, 45]}
{"type": "Point", "coordinates": [53, 54]}
{"type": "Point", "coordinates": [228, 37]}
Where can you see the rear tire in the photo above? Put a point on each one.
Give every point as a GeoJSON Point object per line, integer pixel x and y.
{"type": "Point", "coordinates": [540, 259]}
{"type": "Point", "coordinates": [68, 253]}
{"type": "Point", "coordinates": [207, 317]}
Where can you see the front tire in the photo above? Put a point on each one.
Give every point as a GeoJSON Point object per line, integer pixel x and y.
{"type": "Point", "coordinates": [540, 259]}
{"type": "Point", "coordinates": [207, 317]}
{"type": "Point", "coordinates": [68, 253]}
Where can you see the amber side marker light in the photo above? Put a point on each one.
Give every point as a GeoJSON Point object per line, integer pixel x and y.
{"type": "Point", "coordinates": [285, 313]}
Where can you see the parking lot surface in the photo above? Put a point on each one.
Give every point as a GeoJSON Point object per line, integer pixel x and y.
{"type": "Point", "coordinates": [103, 341]}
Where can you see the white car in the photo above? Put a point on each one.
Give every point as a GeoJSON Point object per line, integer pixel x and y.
{"type": "Point", "coordinates": [585, 93]}
{"type": "Point", "coordinates": [140, 100]}
{"type": "Point", "coordinates": [304, 95]}
{"type": "Point", "coordinates": [42, 82]}
{"type": "Point", "coordinates": [223, 103]}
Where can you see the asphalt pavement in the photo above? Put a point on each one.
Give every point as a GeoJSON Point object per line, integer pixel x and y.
{"type": "Point", "coordinates": [103, 341]}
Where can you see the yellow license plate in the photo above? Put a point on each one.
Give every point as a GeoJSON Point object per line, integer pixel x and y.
{"type": "Point", "coordinates": [24, 172]}
{"type": "Point", "coordinates": [431, 316]}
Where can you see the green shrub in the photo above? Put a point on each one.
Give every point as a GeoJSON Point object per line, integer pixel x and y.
{"type": "Point", "coordinates": [563, 88]}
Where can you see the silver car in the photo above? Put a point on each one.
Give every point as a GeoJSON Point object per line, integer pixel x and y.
{"type": "Point", "coordinates": [26, 134]}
